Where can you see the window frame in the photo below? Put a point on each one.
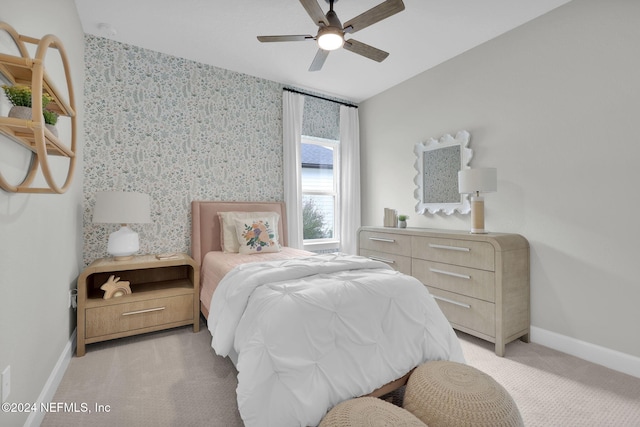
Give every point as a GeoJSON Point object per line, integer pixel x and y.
{"type": "Point", "coordinates": [332, 243]}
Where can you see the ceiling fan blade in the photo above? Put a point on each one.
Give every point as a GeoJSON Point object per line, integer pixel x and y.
{"type": "Point", "coordinates": [293, 38]}
{"type": "Point", "coordinates": [315, 12]}
{"type": "Point", "coordinates": [365, 50]}
{"type": "Point", "coordinates": [318, 61]}
{"type": "Point", "coordinates": [373, 15]}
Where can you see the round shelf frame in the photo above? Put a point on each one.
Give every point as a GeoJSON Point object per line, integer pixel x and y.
{"type": "Point", "coordinates": [33, 134]}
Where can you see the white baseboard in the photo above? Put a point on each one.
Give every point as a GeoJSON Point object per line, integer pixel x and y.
{"type": "Point", "coordinates": [49, 390]}
{"type": "Point", "coordinates": [612, 359]}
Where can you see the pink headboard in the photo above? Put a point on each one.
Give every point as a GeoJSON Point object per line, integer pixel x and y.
{"type": "Point", "coordinates": [205, 226]}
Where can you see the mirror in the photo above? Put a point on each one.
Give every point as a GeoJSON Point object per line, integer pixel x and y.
{"type": "Point", "coordinates": [438, 162]}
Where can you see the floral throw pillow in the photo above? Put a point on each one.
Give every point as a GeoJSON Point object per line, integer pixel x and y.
{"type": "Point", "coordinates": [257, 235]}
{"type": "Point", "coordinates": [228, 238]}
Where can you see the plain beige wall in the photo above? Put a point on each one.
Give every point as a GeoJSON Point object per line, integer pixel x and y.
{"type": "Point", "coordinates": [554, 105]}
{"type": "Point", "coordinates": [40, 234]}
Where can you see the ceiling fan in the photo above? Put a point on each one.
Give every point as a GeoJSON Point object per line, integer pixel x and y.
{"type": "Point", "coordinates": [331, 32]}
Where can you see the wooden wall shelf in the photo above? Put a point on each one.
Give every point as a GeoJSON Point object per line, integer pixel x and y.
{"type": "Point", "coordinates": [33, 134]}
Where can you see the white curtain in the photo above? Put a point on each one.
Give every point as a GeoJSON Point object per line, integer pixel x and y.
{"type": "Point", "coordinates": [349, 179]}
{"type": "Point", "coordinates": [292, 109]}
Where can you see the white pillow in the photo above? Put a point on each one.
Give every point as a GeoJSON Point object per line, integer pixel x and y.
{"type": "Point", "coordinates": [257, 235]}
{"type": "Point", "coordinates": [228, 237]}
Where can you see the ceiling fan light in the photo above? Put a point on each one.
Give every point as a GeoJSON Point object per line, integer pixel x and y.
{"type": "Point", "coordinates": [330, 40]}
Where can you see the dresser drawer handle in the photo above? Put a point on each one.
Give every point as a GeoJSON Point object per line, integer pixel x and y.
{"type": "Point", "coordinates": [149, 310]}
{"type": "Point", "coordinates": [450, 248]}
{"type": "Point", "coordinates": [380, 239]}
{"type": "Point", "coordinates": [388, 261]}
{"type": "Point", "coordinates": [450, 273]}
{"type": "Point", "coordinates": [450, 301]}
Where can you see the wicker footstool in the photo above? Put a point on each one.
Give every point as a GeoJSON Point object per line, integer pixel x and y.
{"type": "Point", "coordinates": [369, 412]}
{"type": "Point", "coordinates": [445, 393]}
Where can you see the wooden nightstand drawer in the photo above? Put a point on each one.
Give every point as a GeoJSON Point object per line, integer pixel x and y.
{"type": "Point", "coordinates": [466, 314]}
{"type": "Point", "coordinates": [397, 262]}
{"type": "Point", "coordinates": [112, 319]}
{"type": "Point", "coordinates": [386, 242]}
{"type": "Point", "coordinates": [460, 280]}
{"type": "Point", "coordinates": [452, 251]}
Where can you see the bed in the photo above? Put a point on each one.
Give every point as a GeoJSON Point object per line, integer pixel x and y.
{"type": "Point", "coordinates": [308, 331]}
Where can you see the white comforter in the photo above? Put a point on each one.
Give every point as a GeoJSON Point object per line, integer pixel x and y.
{"type": "Point", "coordinates": [312, 332]}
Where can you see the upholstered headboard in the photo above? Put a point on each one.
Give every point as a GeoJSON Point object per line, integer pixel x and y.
{"type": "Point", "coordinates": [205, 226]}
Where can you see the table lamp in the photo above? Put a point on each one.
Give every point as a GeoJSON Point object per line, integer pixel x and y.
{"type": "Point", "coordinates": [476, 181]}
{"type": "Point", "coordinates": [120, 207]}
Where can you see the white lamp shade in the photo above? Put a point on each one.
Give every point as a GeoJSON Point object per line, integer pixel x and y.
{"type": "Point", "coordinates": [120, 207]}
{"type": "Point", "coordinates": [480, 180]}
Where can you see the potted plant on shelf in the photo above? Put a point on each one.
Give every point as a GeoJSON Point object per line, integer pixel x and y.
{"type": "Point", "coordinates": [20, 97]}
{"type": "Point", "coordinates": [402, 221]}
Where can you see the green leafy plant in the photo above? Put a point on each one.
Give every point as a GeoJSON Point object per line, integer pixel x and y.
{"type": "Point", "coordinates": [50, 117]}
{"type": "Point", "coordinates": [403, 217]}
{"type": "Point", "coordinates": [20, 96]}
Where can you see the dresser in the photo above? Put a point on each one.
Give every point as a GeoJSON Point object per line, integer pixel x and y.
{"type": "Point", "coordinates": [480, 281]}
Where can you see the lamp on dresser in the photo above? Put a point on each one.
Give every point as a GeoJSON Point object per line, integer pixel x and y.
{"type": "Point", "coordinates": [474, 182]}
{"type": "Point", "coordinates": [120, 207]}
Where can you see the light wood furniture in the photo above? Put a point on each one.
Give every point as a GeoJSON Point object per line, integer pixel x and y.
{"type": "Point", "coordinates": [481, 281]}
{"type": "Point", "coordinates": [33, 134]}
{"type": "Point", "coordinates": [164, 295]}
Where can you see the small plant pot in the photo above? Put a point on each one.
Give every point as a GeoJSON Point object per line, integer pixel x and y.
{"type": "Point", "coordinates": [19, 112]}
{"type": "Point", "coordinates": [402, 224]}
{"type": "Point", "coordinates": [52, 129]}
{"type": "Point", "coordinates": [25, 113]}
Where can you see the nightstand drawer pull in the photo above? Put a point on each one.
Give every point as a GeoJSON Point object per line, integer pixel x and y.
{"type": "Point", "coordinates": [450, 301]}
{"type": "Point", "coordinates": [149, 310]}
{"type": "Point", "coordinates": [388, 261]}
{"type": "Point", "coordinates": [450, 248]}
{"type": "Point", "coordinates": [380, 239]}
{"type": "Point", "coordinates": [450, 273]}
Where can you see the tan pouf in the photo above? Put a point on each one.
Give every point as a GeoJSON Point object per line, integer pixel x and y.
{"type": "Point", "coordinates": [445, 393]}
{"type": "Point", "coordinates": [369, 412]}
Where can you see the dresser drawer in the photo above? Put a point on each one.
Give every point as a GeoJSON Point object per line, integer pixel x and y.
{"type": "Point", "coordinates": [386, 242]}
{"type": "Point", "coordinates": [467, 313]}
{"type": "Point", "coordinates": [467, 281]}
{"type": "Point", "coordinates": [113, 319]}
{"type": "Point", "coordinates": [453, 251]}
{"type": "Point", "coordinates": [398, 262]}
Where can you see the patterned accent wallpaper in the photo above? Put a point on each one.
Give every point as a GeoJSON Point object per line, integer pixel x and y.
{"type": "Point", "coordinates": [179, 131]}
{"type": "Point", "coordinates": [321, 118]}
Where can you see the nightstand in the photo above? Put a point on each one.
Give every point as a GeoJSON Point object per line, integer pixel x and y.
{"type": "Point", "coordinates": [164, 294]}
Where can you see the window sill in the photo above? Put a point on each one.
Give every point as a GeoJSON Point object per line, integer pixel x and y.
{"type": "Point", "coordinates": [325, 245]}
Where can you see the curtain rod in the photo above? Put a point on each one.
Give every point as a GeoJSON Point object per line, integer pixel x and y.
{"type": "Point", "coordinates": [320, 97]}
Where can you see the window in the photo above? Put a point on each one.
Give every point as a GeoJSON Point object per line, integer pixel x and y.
{"type": "Point", "coordinates": [320, 201]}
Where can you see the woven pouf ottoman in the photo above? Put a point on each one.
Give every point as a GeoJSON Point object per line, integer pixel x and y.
{"type": "Point", "coordinates": [369, 412]}
{"type": "Point", "coordinates": [443, 393]}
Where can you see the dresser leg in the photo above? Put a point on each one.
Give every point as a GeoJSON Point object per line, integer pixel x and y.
{"type": "Point", "coordinates": [500, 348]}
{"type": "Point", "coordinates": [525, 338]}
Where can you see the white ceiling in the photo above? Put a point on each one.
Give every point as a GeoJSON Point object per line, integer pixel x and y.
{"type": "Point", "coordinates": [223, 33]}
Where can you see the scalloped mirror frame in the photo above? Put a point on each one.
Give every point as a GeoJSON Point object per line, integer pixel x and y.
{"type": "Point", "coordinates": [461, 139]}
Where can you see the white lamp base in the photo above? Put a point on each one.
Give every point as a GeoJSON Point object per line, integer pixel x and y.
{"type": "Point", "coordinates": [477, 215]}
{"type": "Point", "coordinates": [123, 244]}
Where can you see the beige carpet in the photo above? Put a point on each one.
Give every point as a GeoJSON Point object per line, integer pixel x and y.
{"type": "Point", "coordinates": [173, 378]}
